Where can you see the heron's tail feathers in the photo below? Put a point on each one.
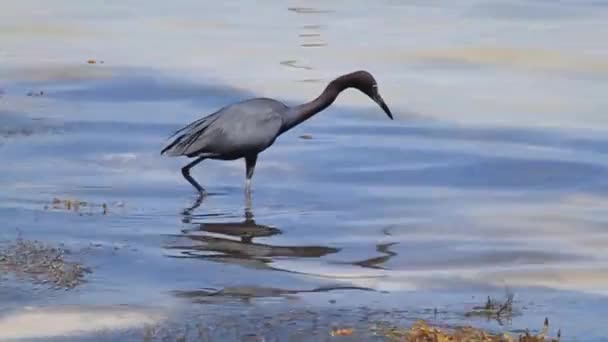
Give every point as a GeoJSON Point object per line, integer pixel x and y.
{"type": "Point", "coordinates": [190, 134]}
{"type": "Point", "coordinates": [169, 147]}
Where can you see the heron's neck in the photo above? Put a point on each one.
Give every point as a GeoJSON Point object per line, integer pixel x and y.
{"type": "Point", "coordinates": [303, 112]}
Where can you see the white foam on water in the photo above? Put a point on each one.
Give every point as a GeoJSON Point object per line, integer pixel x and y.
{"type": "Point", "coordinates": [46, 322]}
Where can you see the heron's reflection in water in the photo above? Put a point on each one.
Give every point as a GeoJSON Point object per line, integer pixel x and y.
{"type": "Point", "coordinates": [247, 293]}
{"type": "Point", "coordinates": [233, 242]}
{"type": "Point", "coordinates": [377, 262]}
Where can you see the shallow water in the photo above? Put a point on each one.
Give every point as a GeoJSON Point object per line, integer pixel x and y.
{"type": "Point", "coordinates": [493, 176]}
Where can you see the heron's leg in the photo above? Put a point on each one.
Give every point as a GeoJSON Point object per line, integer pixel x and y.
{"type": "Point", "coordinates": [186, 174]}
{"type": "Point", "coordinates": [250, 163]}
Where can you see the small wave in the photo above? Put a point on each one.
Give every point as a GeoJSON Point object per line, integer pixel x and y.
{"type": "Point", "coordinates": [14, 124]}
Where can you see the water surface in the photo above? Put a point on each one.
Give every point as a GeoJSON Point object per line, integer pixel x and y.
{"type": "Point", "coordinates": [493, 176]}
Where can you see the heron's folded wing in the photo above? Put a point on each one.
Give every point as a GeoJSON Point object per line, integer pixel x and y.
{"type": "Point", "coordinates": [240, 128]}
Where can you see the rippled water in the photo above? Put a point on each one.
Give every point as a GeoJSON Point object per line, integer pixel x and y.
{"type": "Point", "coordinates": [493, 176]}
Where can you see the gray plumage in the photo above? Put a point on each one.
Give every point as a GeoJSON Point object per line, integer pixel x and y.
{"type": "Point", "coordinates": [234, 131]}
{"type": "Point", "coordinates": [245, 129]}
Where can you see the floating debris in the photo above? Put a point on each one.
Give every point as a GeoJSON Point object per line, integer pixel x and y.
{"type": "Point", "coordinates": [41, 264]}
{"type": "Point", "coordinates": [341, 332]}
{"type": "Point", "coordinates": [306, 324]}
{"type": "Point", "coordinates": [421, 331]}
{"type": "Point", "coordinates": [77, 206]}
{"type": "Point", "coordinates": [306, 136]}
{"type": "Point", "coordinates": [92, 61]}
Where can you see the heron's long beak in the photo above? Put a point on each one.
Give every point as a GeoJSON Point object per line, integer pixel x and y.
{"type": "Point", "coordinates": [383, 105]}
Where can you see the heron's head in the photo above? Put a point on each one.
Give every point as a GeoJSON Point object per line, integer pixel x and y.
{"type": "Point", "coordinates": [365, 82]}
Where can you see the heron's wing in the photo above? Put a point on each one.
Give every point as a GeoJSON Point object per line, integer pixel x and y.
{"type": "Point", "coordinates": [248, 126]}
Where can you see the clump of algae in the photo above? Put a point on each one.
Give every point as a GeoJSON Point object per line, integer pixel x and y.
{"type": "Point", "coordinates": [421, 331]}
{"type": "Point", "coordinates": [41, 263]}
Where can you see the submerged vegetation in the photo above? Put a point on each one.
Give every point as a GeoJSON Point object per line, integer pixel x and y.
{"type": "Point", "coordinates": [341, 324]}
{"type": "Point", "coordinates": [296, 327]}
{"type": "Point", "coordinates": [421, 331]}
{"type": "Point", "coordinates": [41, 264]}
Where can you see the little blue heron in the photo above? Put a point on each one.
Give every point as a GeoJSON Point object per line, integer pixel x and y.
{"type": "Point", "coordinates": [246, 128]}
